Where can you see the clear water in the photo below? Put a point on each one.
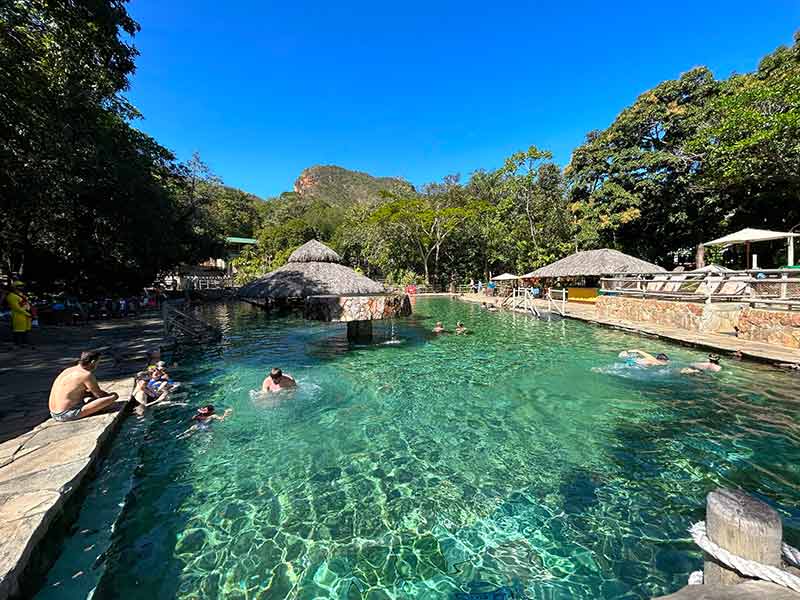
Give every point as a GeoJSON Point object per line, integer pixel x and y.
{"type": "Point", "coordinates": [524, 455]}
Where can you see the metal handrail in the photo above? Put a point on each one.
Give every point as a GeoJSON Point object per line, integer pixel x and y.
{"type": "Point", "coordinates": [751, 285]}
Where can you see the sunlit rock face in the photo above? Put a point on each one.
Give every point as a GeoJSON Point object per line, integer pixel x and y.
{"type": "Point", "coordinates": [357, 308]}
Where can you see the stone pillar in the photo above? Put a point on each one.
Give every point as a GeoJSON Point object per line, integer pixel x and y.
{"type": "Point", "coordinates": [743, 526]}
{"type": "Point", "coordinates": [359, 331]}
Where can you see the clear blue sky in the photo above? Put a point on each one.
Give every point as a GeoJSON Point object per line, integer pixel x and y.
{"type": "Point", "coordinates": [264, 88]}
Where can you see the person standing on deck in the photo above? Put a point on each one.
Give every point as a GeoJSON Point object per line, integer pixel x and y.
{"type": "Point", "coordinates": [21, 317]}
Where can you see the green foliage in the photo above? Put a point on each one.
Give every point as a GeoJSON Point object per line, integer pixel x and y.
{"type": "Point", "coordinates": [88, 201]}
{"type": "Point", "coordinates": [693, 159]}
{"type": "Point", "coordinates": [249, 265]}
{"type": "Point", "coordinates": [632, 184]}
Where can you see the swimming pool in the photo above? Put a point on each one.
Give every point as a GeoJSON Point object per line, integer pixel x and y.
{"type": "Point", "coordinates": [523, 455]}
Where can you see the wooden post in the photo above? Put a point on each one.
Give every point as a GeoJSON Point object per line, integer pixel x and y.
{"type": "Point", "coordinates": [743, 526]}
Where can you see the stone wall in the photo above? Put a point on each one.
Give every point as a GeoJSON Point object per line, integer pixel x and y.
{"type": "Point", "coordinates": [683, 315]}
{"type": "Point", "coordinates": [357, 308]}
{"type": "Point", "coordinates": [771, 326]}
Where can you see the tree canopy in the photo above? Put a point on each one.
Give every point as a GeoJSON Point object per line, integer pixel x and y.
{"type": "Point", "coordinates": [90, 202]}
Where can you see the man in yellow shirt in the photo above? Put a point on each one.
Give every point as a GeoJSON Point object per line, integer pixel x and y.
{"type": "Point", "coordinates": [20, 313]}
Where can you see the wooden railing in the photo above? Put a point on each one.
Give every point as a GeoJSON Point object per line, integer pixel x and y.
{"type": "Point", "coordinates": [767, 286]}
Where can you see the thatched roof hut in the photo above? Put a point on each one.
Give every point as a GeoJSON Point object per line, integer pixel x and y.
{"type": "Point", "coordinates": [595, 263]}
{"type": "Point", "coordinates": [313, 270]}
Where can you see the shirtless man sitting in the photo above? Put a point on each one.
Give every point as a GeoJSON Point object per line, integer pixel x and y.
{"type": "Point", "coordinates": [75, 392]}
{"type": "Point", "coordinates": [277, 381]}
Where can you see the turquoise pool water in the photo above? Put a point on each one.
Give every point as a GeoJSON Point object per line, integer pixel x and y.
{"type": "Point", "coordinates": [524, 455]}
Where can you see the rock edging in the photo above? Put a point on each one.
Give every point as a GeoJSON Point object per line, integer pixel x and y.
{"type": "Point", "coordinates": [39, 472]}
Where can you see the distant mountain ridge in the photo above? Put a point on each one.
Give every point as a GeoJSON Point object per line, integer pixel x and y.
{"type": "Point", "coordinates": [341, 187]}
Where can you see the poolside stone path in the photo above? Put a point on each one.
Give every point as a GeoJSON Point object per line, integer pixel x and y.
{"type": "Point", "coordinates": [43, 462]}
{"type": "Point", "coordinates": [749, 590]}
{"type": "Point", "coordinates": [711, 341]}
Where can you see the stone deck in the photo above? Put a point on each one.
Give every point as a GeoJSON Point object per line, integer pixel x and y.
{"type": "Point", "coordinates": [42, 462]}
{"type": "Point", "coordinates": [39, 471]}
{"type": "Point", "coordinates": [759, 351]}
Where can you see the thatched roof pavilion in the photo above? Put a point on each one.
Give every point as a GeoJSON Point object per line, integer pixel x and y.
{"type": "Point", "coordinates": [328, 290]}
{"type": "Point", "coordinates": [595, 263]}
{"type": "Point", "coordinates": [313, 270]}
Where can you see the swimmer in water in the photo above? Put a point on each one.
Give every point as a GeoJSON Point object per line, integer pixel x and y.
{"type": "Point", "coordinates": [204, 417]}
{"type": "Point", "coordinates": [645, 359]}
{"type": "Point", "coordinates": [460, 328]}
{"type": "Point", "coordinates": [439, 328]}
{"type": "Point", "coordinates": [712, 364]}
{"type": "Point", "coordinates": [277, 381]}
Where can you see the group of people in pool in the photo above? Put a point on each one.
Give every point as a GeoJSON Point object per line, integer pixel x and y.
{"type": "Point", "coordinates": [76, 393]}
{"type": "Point", "coordinates": [276, 381]}
{"type": "Point", "coordinates": [645, 359]}
{"type": "Point", "coordinates": [459, 330]}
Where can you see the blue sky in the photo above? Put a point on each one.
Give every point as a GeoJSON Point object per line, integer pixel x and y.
{"type": "Point", "coordinates": [263, 89]}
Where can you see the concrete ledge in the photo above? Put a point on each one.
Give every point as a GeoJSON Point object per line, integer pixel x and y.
{"type": "Point", "coordinates": [750, 590]}
{"type": "Point", "coordinates": [39, 472]}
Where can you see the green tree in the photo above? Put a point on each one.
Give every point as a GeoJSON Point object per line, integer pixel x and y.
{"type": "Point", "coordinates": [635, 185]}
{"type": "Point", "coordinates": [88, 201]}
{"type": "Point", "coordinates": [426, 221]}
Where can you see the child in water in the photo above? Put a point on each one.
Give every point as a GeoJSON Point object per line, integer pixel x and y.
{"type": "Point", "coordinates": [204, 417]}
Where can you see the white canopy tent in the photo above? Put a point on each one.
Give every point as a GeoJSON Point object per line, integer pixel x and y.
{"type": "Point", "coordinates": [505, 277]}
{"type": "Point", "coordinates": [748, 235]}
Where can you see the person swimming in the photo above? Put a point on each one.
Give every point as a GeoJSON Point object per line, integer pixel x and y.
{"type": "Point", "coordinates": [712, 365]}
{"type": "Point", "coordinates": [204, 417]}
{"type": "Point", "coordinates": [439, 328]}
{"type": "Point", "coordinates": [460, 328]}
{"type": "Point", "coordinates": [644, 359]}
{"type": "Point", "coordinates": [277, 381]}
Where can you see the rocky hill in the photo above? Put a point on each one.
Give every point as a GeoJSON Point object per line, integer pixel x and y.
{"type": "Point", "coordinates": [341, 187]}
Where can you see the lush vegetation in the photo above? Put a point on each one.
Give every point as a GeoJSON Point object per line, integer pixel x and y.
{"type": "Point", "coordinates": [91, 202]}
{"type": "Point", "coordinates": [88, 201]}
{"type": "Point", "coordinates": [689, 160]}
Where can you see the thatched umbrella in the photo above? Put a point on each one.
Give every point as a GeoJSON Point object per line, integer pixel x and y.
{"type": "Point", "coordinates": [595, 263]}
{"type": "Point", "coordinates": [313, 270]}
{"type": "Point", "coordinates": [329, 291]}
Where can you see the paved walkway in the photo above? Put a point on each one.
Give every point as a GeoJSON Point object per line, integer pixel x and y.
{"type": "Point", "coordinates": [712, 341]}
{"type": "Point", "coordinates": [42, 462]}
{"type": "Point", "coordinates": [26, 376]}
